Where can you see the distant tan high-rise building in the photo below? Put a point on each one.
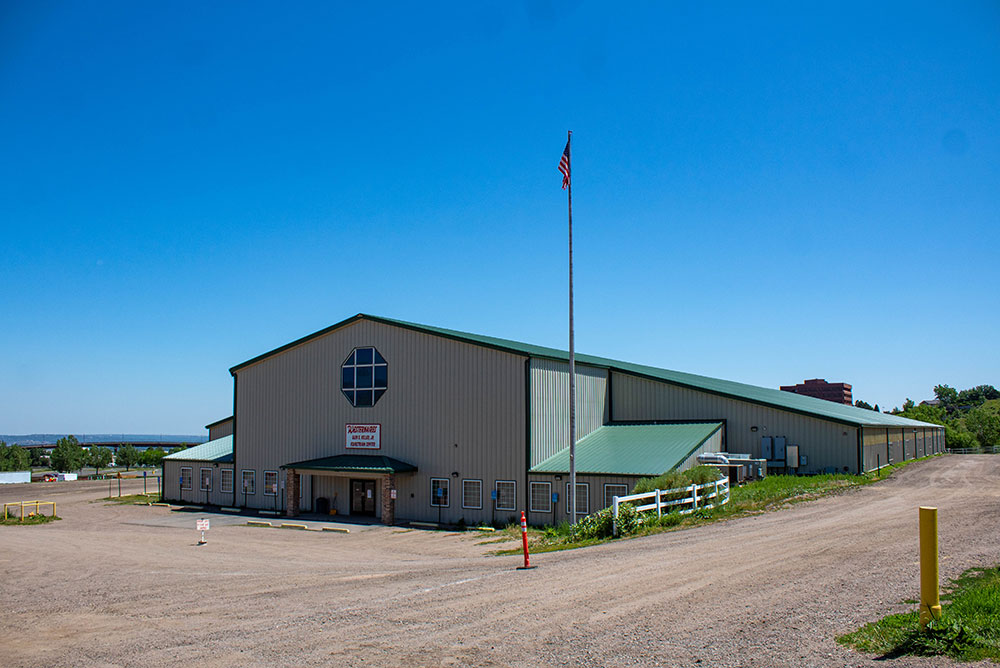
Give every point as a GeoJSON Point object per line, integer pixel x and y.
{"type": "Point", "coordinates": [839, 393]}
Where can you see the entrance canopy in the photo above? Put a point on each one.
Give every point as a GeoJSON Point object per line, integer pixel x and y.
{"type": "Point", "coordinates": [354, 464]}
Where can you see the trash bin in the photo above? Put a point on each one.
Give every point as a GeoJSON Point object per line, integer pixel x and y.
{"type": "Point", "coordinates": [323, 505]}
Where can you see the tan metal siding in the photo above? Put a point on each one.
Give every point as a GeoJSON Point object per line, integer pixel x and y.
{"type": "Point", "coordinates": [558, 514]}
{"type": "Point", "coordinates": [713, 444]}
{"type": "Point", "coordinates": [896, 445]}
{"type": "Point", "coordinates": [172, 485]}
{"type": "Point", "coordinates": [451, 407]}
{"type": "Point", "coordinates": [549, 401]}
{"type": "Point", "coordinates": [220, 430]}
{"type": "Point", "coordinates": [909, 444]}
{"type": "Point", "coordinates": [827, 445]}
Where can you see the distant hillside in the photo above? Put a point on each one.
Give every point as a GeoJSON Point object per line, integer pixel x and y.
{"type": "Point", "coordinates": [37, 439]}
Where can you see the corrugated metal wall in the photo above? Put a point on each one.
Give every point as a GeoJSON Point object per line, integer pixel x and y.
{"type": "Point", "coordinates": [451, 407]}
{"type": "Point", "coordinates": [826, 445]}
{"type": "Point", "coordinates": [549, 401]}
{"type": "Point", "coordinates": [596, 484]}
{"type": "Point", "coordinates": [896, 444]}
{"type": "Point", "coordinates": [713, 444]}
{"type": "Point", "coordinates": [172, 487]}
{"type": "Point", "coordinates": [909, 444]}
{"type": "Point", "coordinates": [220, 430]}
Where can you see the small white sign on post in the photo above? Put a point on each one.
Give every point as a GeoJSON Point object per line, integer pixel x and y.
{"type": "Point", "coordinates": [202, 526]}
{"type": "Point", "coordinates": [364, 436]}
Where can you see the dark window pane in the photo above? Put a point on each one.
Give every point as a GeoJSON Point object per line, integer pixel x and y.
{"type": "Point", "coordinates": [350, 358]}
{"type": "Point", "coordinates": [378, 394]}
{"type": "Point", "coordinates": [364, 376]}
{"type": "Point", "coordinates": [379, 359]}
{"type": "Point", "coordinates": [350, 395]}
{"type": "Point", "coordinates": [364, 355]}
{"type": "Point", "coordinates": [381, 376]}
{"type": "Point", "coordinates": [364, 398]}
{"type": "Point", "coordinates": [347, 378]}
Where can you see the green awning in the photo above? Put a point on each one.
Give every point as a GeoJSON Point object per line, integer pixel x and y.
{"type": "Point", "coordinates": [634, 449]}
{"type": "Point", "coordinates": [354, 463]}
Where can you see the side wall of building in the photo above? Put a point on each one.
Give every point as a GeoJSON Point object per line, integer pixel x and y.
{"type": "Point", "coordinates": [194, 493]}
{"type": "Point", "coordinates": [826, 444]}
{"type": "Point", "coordinates": [224, 428]}
{"type": "Point", "coordinates": [549, 397]}
{"type": "Point", "coordinates": [454, 410]}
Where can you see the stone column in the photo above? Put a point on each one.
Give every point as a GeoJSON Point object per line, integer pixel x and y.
{"type": "Point", "coordinates": [292, 493]}
{"type": "Point", "coordinates": [388, 503]}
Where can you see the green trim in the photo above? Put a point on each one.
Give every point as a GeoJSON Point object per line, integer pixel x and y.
{"type": "Point", "coordinates": [353, 463]}
{"type": "Point", "coordinates": [212, 424]}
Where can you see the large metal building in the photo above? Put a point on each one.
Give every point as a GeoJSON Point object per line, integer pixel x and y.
{"type": "Point", "coordinates": [400, 421]}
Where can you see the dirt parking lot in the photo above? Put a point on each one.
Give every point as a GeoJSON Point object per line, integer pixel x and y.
{"type": "Point", "coordinates": [128, 586]}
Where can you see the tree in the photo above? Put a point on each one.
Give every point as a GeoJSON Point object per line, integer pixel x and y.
{"type": "Point", "coordinates": [908, 405]}
{"type": "Point", "coordinates": [67, 455]}
{"type": "Point", "coordinates": [153, 456]}
{"type": "Point", "coordinates": [100, 457]}
{"type": "Point", "coordinates": [39, 457]}
{"type": "Point", "coordinates": [948, 396]}
{"type": "Point", "coordinates": [863, 404]}
{"type": "Point", "coordinates": [984, 424]}
{"type": "Point", "coordinates": [128, 456]}
{"type": "Point", "coordinates": [14, 458]}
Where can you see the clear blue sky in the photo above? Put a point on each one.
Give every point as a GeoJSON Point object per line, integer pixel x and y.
{"type": "Point", "coordinates": [761, 194]}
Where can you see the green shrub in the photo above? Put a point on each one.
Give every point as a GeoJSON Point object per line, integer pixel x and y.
{"type": "Point", "coordinates": [600, 524]}
{"type": "Point", "coordinates": [699, 475]}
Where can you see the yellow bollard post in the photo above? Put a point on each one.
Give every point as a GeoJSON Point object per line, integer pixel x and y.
{"type": "Point", "coordinates": [930, 601]}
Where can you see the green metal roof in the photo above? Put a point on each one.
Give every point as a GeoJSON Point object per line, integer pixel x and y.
{"type": "Point", "coordinates": [798, 403]}
{"type": "Point", "coordinates": [220, 451]}
{"type": "Point", "coordinates": [359, 463]}
{"type": "Point", "coordinates": [643, 449]}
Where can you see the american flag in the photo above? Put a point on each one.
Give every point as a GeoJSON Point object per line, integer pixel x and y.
{"type": "Point", "coordinates": [564, 166]}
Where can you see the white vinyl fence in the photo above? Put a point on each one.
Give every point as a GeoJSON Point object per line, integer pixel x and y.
{"type": "Point", "coordinates": [15, 476]}
{"type": "Point", "coordinates": [708, 495]}
{"type": "Point", "coordinates": [985, 450]}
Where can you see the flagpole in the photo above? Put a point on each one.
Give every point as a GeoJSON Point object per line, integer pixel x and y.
{"type": "Point", "coordinates": [572, 358]}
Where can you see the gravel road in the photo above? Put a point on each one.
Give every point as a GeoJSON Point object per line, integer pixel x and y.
{"type": "Point", "coordinates": [125, 586]}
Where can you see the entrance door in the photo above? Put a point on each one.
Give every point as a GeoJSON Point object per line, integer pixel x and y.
{"type": "Point", "coordinates": [363, 497]}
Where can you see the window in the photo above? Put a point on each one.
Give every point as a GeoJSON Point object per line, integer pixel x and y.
{"type": "Point", "coordinates": [439, 492]}
{"type": "Point", "coordinates": [186, 477]}
{"type": "Point", "coordinates": [227, 480]}
{"type": "Point", "coordinates": [271, 483]}
{"type": "Point", "coordinates": [249, 482]}
{"type": "Point", "coordinates": [472, 493]}
{"type": "Point", "coordinates": [541, 497]}
{"type": "Point", "coordinates": [206, 480]}
{"type": "Point", "coordinates": [364, 377]}
{"type": "Point", "coordinates": [582, 498]}
{"type": "Point", "coordinates": [611, 491]}
{"type": "Point", "coordinates": [506, 494]}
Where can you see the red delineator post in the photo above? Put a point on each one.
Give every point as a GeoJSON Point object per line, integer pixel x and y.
{"type": "Point", "coordinates": [524, 543]}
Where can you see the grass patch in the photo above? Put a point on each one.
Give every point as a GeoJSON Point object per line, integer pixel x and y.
{"type": "Point", "coordinates": [968, 630]}
{"type": "Point", "coordinates": [771, 493]}
{"type": "Point", "coordinates": [29, 520]}
{"type": "Point", "coordinates": [133, 499]}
